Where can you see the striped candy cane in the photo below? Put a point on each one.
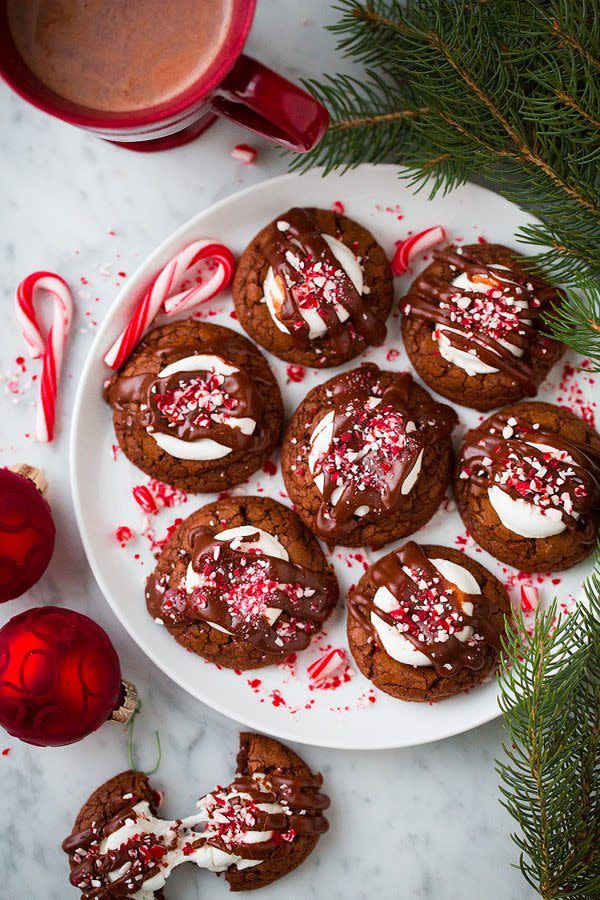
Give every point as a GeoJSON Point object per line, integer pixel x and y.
{"type": "Point", "coordinates": [164, 293]}
{"type": "Point", "coordinates": [416, 244]}
{"type": "Point", "coordinates": [52, 348]}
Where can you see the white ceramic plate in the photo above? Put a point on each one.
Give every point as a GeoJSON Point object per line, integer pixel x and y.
{"type": "Point", "coordinates": [346, 717]}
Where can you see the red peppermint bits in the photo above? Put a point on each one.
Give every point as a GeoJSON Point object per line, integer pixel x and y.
{"type": "Point", "coordinates": [383, 436]}
{"type": "Point", "coordinates": [542, 478]}
{"type": "Point", "coordinates": [427, 610]}
{"type": "Point", "coordinates": [199, 400]}
{"type": "Point", "coordinates": [494, 313]}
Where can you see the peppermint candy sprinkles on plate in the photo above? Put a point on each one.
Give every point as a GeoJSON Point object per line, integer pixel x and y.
{"type": "Point", "coordinates": [170, 293]}
{"type": "Point", "coordinates": [51, 349]}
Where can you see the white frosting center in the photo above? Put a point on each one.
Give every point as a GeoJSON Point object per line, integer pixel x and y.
{"type": "Point", "coordinates": [524, 518]}
{"type": "Point", "coordinates": [266, 543]}
{"type": "Point", "coordinates": [469, 362]}
{"type": "Point", "coordinates": [205, 448]}
{"type": "Point", "coordinates": [274, 294]}
{"type": "Point", "coordinates": [320, 441]}
{"type": "Point", "coordinates": [394, 642]}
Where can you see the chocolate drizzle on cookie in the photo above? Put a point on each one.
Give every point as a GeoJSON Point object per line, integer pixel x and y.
{"type": "Point", "coordinates": [493, 326]}
{"type": "Point", "coordinates": [192, 405]}
{"type": "Point", "coordinates": [226, 816]}
{"type": "Point", "coordinates": [95, 873]}
{"type": "Point", "coordinates": [238, 807]}
{"type": "Point", "coordinates": [311, 277]}
{"type": "Point", "coordinates": [373, 449]}
{"type": "Point", "coordinates": [563, 483]}
{"type": "Point", "coordinates": [430, 611]}
{"type": "Point", "coordinates": [242, 586]}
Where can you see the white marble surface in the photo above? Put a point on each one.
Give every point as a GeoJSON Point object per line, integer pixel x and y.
{"type": "Point", "coordinates": [417, 823]}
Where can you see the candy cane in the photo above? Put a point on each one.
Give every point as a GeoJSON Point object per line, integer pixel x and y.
{"type": "Point", "coordinates": [164, 293]}
{"type": "Point", "coordinates": [325, 666]}
{"type": "Point", "coordinates": [414, 245]}
{"type": "Point", "coordinates": [52, 348]}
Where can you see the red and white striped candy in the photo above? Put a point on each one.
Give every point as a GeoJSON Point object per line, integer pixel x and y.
{"type": "Point", "coordinates": [408, 250]}
{"type": "Point", "coordinates": [530, 597]}
{"type": "Point", "coordinates": [52, 347]}
{"type": "Point", "coordinates": [165, 293]}
{"type": "Point", "coordinates": [326, 665]}
{"type": "Point", "coordinates": [245, 154]}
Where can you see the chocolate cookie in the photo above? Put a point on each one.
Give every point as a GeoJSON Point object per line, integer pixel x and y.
{"type": "Point", "coordinates": [430, 632]}
{"type": "Point", "coordinates": [314, 287]}
{"type": "Point", "coordinates": [197, 406]}
{"type": "Point", "coordinates": [242, 583]}
{"type": "Point", "coordinates": [367, 457]}
{"type": "Point", "coordinates": [527, 486]}
{"type": "Point", "coordinates": [472, 326]}
{"type": "Point", "coordinates": [119, 846]}
{"type": "Point", "coordinates": [127, 795]}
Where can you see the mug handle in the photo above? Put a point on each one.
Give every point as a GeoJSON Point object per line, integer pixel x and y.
{"type": "Point", "coordinates": [268, 104]}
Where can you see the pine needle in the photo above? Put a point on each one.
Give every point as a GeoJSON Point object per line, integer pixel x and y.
{"type": "Point", "coordinates": [503, 90]}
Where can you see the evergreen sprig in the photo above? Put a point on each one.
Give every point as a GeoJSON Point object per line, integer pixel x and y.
{"type": "Point", "coordinates": [501, 90]}
{"type": "Point", "coordinates": [550, 699]}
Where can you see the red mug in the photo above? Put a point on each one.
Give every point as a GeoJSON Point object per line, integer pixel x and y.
{"type": "Point", "coordinates": [234, 86]}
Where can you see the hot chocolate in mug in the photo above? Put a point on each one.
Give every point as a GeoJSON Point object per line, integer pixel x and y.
{"type": "Point", "coordinates": [150, 74]}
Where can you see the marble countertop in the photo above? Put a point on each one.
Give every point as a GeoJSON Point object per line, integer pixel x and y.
{"type": "Point", "coordinates": [413, 823]}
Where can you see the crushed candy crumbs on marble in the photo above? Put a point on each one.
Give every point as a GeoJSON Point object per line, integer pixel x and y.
{"type": "Point", "coordinates": [270, 468]}
{"type": "Point", "coordinates": [6, 751]}
{"type": "Point", "coordinates": [338, 207]}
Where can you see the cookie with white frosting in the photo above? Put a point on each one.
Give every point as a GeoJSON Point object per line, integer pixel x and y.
{"type": "Point", "coordinates": [367, 457]}
{"type": "Point", "coordinates": [243, 583]}
{"type": "Point", "coordinates": [314, 288]}
{"type": "Point", "coordinates": [196, 405]}
{"type": "Point", "coordinates": [254, 831]}
{"type": "Point", "coordinates": [426, 622]}
{"type": "Point", "coordinates": [472, 326]}
{"type": "Point", "coordinates": [527, 485]}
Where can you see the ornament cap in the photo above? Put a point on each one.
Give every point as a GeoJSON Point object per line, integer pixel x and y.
{"type": "Point", "coordinates": [34, 474]}
{"type": "Point", "coordinates": [129, 701]}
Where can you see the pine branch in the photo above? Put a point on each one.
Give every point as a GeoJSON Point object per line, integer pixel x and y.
{"type": "Point", "coordinates": [577, 322]}
{"type": "Point", "coordinates": [456, 89]}
{"type": "Point", "coordinates": [550, 700]}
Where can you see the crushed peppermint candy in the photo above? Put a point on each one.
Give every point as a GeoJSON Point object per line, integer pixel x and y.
{"type": "Point", "coordinates": [203, 397]}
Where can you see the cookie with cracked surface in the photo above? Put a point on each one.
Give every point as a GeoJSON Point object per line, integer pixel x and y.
{"type": "Point", "coordinates": [243, 583]}
{"type": "Point", "coordinates": [95, 856]}
{"type": "Point", "coordinates": [367, 457]}
{"type": "Point", "coordinates": [426, 622]}
{"type": "Point", "coordinates": [472, 324]}
{"type": "Point", "coordinates": [527, 486]}
{"type": "Point", "coordinates": [120, 847]}
{"type": "Point", "coordinates": [197, 406]}
{"type": "Point", "coordinates": [297, 790]}
{"type": "Point", "coordinates": [314, 288]}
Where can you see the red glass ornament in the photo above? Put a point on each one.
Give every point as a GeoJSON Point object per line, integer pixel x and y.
{"type": "Point", "coordinates": [60, 676]}
{"type": "Point", "coordinates": [26, 533]}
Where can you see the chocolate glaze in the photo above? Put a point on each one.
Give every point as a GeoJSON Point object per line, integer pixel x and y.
{"type": "Point", "coordinates": [224, 568]}
{"type": "Point", "coordinates": [302, 802]}
{"type": "Point", "coordinates": [447, 657]}
{"type": "Point", "coordinates": [303, 806]}
{"type": "Point", "coordinates": [92, 865]}
{"type": "Point", "coordinates": [431, 291]}
{"type": "Point", "coordinates": [378, 478]}
{"type": "Point", "coordinates": [486, 454]}
{"type": "Point", "coordinates": [304, 240]}
{"type": "Point", "coordinates": [146, 400]}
